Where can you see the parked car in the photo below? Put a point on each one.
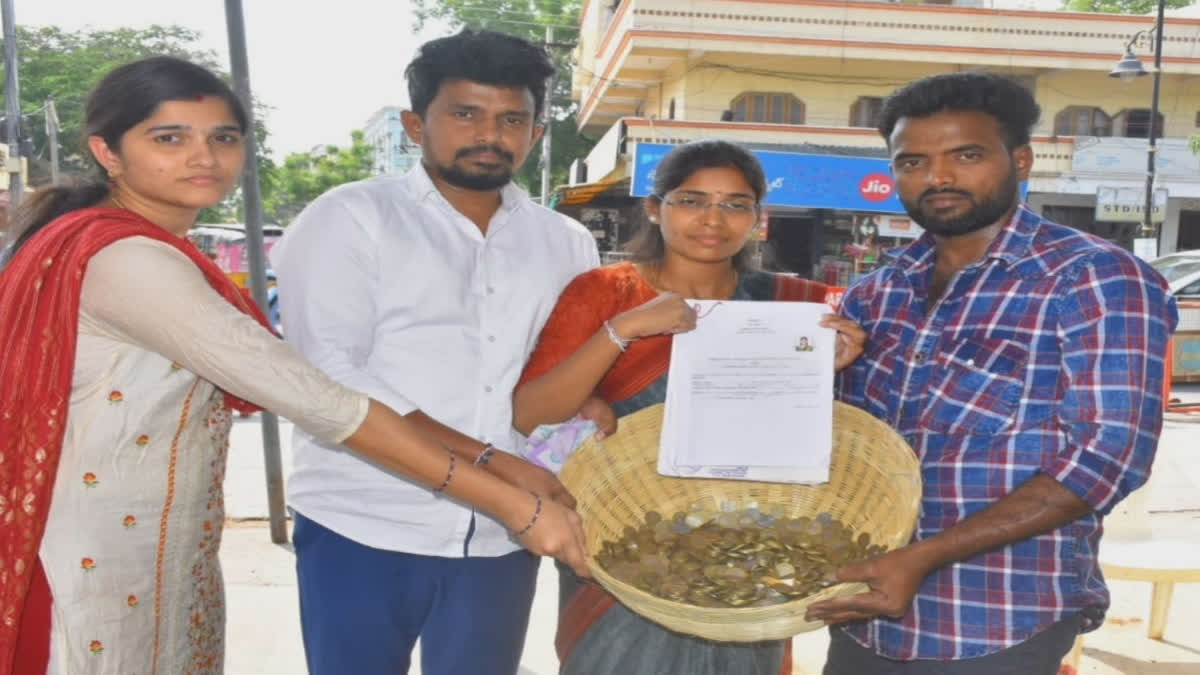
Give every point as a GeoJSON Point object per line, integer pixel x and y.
{"type": "Point", "coordinates": [1186, 287]}
{"type": "Point", "coordinates": [273, 302]}
{"type": "Point", "coordinates": [1186, 290]}
{"type": "Point", "coordinates": [1175, 265]}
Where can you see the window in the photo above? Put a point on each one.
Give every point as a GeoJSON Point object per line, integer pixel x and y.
{"type": "Point", "coordinates": [1078, 120]}
{"type": "Point", "coordinates": [671, 110]}
{"type": "Point", "coordinates": [1188, 292]}
{"type": "Point", "coordinates": [865, 111]}
{"type": "Point", "coordinates": [770, 107]}
{"type": "Point", "coordinates": [1135, 123]}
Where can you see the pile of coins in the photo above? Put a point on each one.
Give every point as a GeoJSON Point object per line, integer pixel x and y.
{"type": "Point", "coordinates": [737, 558]}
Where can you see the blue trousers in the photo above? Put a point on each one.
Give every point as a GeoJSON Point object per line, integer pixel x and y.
{"type": "Point", "coordinates": [1039, 655]}
{"type": "Point", "coordinates": [362, 609]}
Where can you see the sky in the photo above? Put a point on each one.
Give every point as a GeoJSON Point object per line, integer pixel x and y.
{"type": "Point", "coordinates": [323, 67]}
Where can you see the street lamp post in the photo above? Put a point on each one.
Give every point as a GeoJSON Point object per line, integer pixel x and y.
{"type": "Point", "coordinates": [1130, 68]}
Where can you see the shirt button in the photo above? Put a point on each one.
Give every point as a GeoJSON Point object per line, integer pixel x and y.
{"type": "Point", "coordinates": [488, 388]}
{"type": "Point", "coordinates": [919, 357]}
{"type": "Point", "coordinates": [490, 290]}
{"type": "Point", "coordinates": [491, 338]}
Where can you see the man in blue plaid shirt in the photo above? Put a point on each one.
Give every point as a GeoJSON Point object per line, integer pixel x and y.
{"type": "Point", "coordinates": [1023, 361]}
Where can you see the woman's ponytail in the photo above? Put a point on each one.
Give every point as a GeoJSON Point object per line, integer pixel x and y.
{"type": "Point", "coordinates": [44, 207]}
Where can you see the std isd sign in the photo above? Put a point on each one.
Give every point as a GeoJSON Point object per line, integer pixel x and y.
{"type": "Point", "coordinates": [799, 180]}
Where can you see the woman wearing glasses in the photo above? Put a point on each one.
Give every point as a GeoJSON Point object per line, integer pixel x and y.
{"type": "Point", "coordinates": [608, 344]}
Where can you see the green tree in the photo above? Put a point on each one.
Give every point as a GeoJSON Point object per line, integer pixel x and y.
{"type": "Point", "coordinates": [304, 176]}
{"type": "Point", "coordinates": [65, 65]}
{"type": "Point", "coordinates": [1121, 6]}
{"type": "Point", "coordinates": [529, 19]}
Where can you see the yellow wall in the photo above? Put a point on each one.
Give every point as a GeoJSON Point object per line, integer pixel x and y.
{"type": "Point", "coordinates": [707, 86]}
{"type": "Point", "coordinates": [827, 87]}
{"type": "Point", "coordinates": [1179, 99]}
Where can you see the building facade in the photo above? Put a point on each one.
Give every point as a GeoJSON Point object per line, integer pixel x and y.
{"type": "Point", "coordinates": [394, 153]}
{"type": "Point", "coordinates": [801, 83]}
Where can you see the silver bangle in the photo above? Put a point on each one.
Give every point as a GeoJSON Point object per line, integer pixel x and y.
{"type": "Point", "coordinates": [619, 341]}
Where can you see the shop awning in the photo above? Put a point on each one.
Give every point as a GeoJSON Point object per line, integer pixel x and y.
{"type": "Point", "coordinates": [586, 193]}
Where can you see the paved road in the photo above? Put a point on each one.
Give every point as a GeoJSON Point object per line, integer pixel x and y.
{"type": "Point", "coordinates": [264, 633]}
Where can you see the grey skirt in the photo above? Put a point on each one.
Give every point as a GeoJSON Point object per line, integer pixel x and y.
{"type": "Point", "coordinates": [623, 643]}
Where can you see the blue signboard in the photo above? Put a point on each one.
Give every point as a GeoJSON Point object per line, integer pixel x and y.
{"type": "Point", "coordinates": [798, 180]}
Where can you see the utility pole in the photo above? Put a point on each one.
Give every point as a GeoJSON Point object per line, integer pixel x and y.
{"type": "Point", "coordinates": [1149, 230]}
{"type": "Point", "coordinates": [52, 138]}
{"type": "Point", "coordinates": [549, 125]}
{"type": "Point", "coordinates": [12, 104]}
{"type": "Point", "coordinates": [256, 255]}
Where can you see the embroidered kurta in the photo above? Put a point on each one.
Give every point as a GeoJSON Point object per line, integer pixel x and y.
{"type": "Point", "coordinates": [130, 547]}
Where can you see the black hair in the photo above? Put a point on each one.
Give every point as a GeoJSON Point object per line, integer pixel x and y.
{"type": "Point", "coordinates": [123, 98]}
{"type": "Point", "coordinates": [1010, 103]}
{"type": "Point", "coordinates": [648, 246]}
{"type": "Point", "coordinates": [482, 56]}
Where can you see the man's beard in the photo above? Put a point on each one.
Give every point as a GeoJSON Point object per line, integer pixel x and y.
{"type": "Point", "coordinates": [487, 180]}
{"type": "Point", "coordinates": [981, 214]}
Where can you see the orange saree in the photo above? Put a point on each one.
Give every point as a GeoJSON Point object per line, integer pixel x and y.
{"type": "Point", "coordinates": [635, 381]}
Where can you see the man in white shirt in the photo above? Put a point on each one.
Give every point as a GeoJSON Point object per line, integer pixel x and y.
{"type": "Point", "coordinates": [428, 292]}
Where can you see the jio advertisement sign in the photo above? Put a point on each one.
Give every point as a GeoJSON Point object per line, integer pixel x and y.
{"type": "Point", "coordinates": [799, 180]}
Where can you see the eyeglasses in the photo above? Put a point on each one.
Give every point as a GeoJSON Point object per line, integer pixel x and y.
{"type": "Point", "coordinates": [700, 202]}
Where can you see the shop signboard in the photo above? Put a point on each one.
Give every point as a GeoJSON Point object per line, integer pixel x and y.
{"type": "Point", "coordinates": [903, 228]}
{"type": "Point", "coordinates": [799, 180]}
{"type": "Point", "coordinates": [1128, 205]}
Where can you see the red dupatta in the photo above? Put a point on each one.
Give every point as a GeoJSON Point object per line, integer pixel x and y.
{"type": "Point", "coordinates": [39, 315]}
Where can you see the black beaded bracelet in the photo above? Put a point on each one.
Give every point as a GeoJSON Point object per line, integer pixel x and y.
{"type": "Point", "coordinates": [537, 511]}
{"type": "Point", "coordinates": [488, 451]}
{"type": "Point", "coordinates": [449, 472]}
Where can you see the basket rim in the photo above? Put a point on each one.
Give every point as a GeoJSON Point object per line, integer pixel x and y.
{"type": "Point", "coordinates": [781, 619]}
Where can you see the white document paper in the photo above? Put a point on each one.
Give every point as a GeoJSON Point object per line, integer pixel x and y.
{"type": "Point", "coordinates": [750, 394]}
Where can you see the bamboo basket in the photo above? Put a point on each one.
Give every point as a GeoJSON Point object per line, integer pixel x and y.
{"type": "Point", "coordinates": [874, 487]}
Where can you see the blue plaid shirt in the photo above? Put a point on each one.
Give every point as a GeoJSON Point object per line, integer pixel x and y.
{"type": "Point", "coordinates": [1046, 356]}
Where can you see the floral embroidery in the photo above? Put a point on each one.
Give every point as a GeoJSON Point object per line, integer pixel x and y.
{"type": "Point", "coordinates": [87, 564]}
{"type": "Point", "coordinates": [207, 609]}
{"type": "Point", "coordinates": [96, 646]}
{"type": "Point", "coordinates": [90, 480]}
{"type": "Point", "coordinates": [132, 601]}
{"type": "Point", "coordinates": [116, 397]}
{"type": "Point", "coordinates": [129, 521]}
{"type": "Point", "coordinates": [143, 441]}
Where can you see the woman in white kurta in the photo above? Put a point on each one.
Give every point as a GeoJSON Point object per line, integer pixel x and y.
{"type": "Point", "coordinates": [131, 544]}
{"type": "Point", "coordinates": [122, 347]}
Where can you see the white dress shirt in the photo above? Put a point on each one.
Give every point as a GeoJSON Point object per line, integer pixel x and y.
{"type": "Point", "coordinates": [393, 292]}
